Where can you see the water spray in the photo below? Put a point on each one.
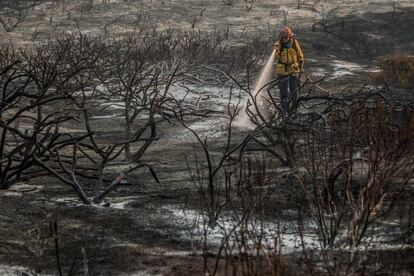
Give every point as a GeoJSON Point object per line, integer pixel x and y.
{"type": "Point", "coordinates": [259, 97]}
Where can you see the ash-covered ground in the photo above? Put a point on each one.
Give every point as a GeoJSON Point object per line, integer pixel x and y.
{"type": "Point", "coordinates": [149, 228]}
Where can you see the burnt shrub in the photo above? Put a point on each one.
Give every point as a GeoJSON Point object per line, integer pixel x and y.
{"type": "Point", "coordinates": [397, 70]}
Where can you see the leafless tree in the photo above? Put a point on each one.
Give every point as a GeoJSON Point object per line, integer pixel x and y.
{"type": "Point", "coordinates": [42, 94]}
{"type": "Point", "coordinates": [13, 12]}
{"type": "Point", "coordinates": [351, 154]}
{"type": "Point", "coordinates": [249, 4]}
{"type": "Point", "coordinates": [33, 81]}
{"type": "Point", "coordinates": [228, 2]}
{"type": "Point", "coordinates": [232, 154]}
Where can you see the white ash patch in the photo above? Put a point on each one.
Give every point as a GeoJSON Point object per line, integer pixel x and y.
{"type": "Point", "coordinates": [284, 231]}
{"type": "Point", "coordinates": [8, 193]}
{"type": "Point", "coordinates": [188, 92]}
{"type": "Point", "coordinates": [68, 201]}
{"type": "Point", "coordinates": [282, 170]}
{"type": "Point", "coordinates": [89, 92]}
{"type": "Point", "coordinates": [318, 72]}
{"type": "Point", "coordinates": [119, 203]}
{"type": "Point", "coordinates": [145, 250]}
{"type": "Point", "coordinates": [147, 272]}
{"type": "Point", "coordinates": [209, 127]}
{"type": "Point", "coordinates": [19, 271]}
{"type": "Point", "coordinates": [294, 12]}
{"type": "Point", "coordinates": [196, 96]}
{"type": "Point", "coordinates": [345, 68]}
{"type": "Point", "coordinates": [25, 188]}
{"type": "Point", "coordinates": [100, 117]}
{"type": "Point", "coordinates": [113, 105]}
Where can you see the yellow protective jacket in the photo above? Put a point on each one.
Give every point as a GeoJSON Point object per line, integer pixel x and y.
{"type": "Point", "coordinates": [288, 60]}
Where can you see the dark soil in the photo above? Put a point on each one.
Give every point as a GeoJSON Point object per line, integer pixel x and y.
{"type": "Point", "coordinates": [141, 238]}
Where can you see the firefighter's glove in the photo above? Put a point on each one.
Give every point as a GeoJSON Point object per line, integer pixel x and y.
{"type": "Point", "coordinates": [301, 65]}
{"type": "Point", "coordinates": [276, 46]}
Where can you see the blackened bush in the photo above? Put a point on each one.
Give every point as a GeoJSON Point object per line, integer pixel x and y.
{"type": "Point", "coordinates": [397, 70]}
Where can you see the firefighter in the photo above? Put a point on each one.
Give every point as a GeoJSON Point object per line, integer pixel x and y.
{"type": "Point", "coordinates": [289, 66]}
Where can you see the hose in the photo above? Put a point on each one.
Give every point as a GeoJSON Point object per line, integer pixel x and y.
{"type": "Point", "coordinates": [313, 82]}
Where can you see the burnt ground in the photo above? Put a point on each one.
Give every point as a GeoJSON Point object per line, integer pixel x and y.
{"type": "Point", "coordinates": [139, 231]}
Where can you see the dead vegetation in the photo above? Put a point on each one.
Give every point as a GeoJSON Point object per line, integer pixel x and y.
{"type": "Point", "coordinates": [12, 13]}
{"type": "Point", "coordinates": [346, 156]}
{"type": "Point", "coordinates": [397, 70]}
{"type": "Point", "coordinates": [350, 157]}
{"type": "Point", "coordinates": [53, 87]}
